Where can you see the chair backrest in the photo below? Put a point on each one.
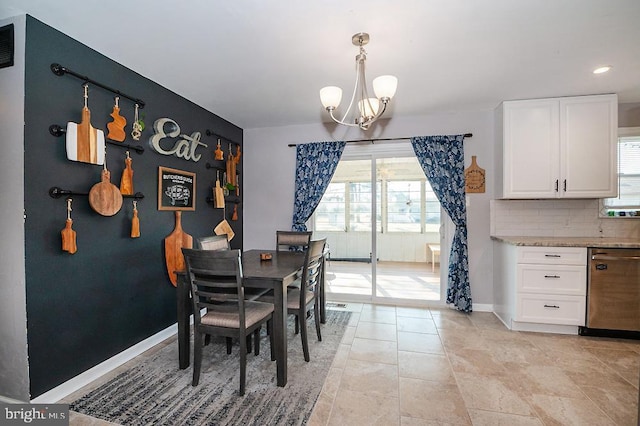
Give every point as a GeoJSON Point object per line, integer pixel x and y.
{"type": "Point", "coordinates": [311, 272]}
{"type": "Point", "coordinates": [285, 240]}
{"type": "Point", "coordinates": [212, 273]}
{"type": "Point", "coordinates": [214, 242]}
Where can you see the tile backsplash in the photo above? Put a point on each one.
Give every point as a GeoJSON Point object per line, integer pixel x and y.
{"type": "Point", "coordinates": [557, 218]}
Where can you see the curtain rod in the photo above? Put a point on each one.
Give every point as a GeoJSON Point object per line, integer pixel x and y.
{"type": "Point", "coordinates": [372, 140]}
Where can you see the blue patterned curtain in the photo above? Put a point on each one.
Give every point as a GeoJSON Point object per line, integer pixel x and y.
{"type": "Point", "coordinates": [315, 164]}
{"type": "Point", "coordinates": [442, 159]}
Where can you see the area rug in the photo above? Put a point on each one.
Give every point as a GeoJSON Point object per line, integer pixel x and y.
{"type": "Point", "coordinates": [155, 392]}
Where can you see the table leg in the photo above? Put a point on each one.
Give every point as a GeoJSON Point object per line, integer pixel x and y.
{"type": "Point", "coordinates": [280, 331]}
{"type": "Point", "coordinates": [184, 330]}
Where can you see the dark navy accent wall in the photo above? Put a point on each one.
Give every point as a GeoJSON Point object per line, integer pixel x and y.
{"type": "Point", "coordinates": [114, 292]}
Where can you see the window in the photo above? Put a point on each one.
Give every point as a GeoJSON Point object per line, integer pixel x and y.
{"type": "Point", "coordinates": [331, 212]}
{"type": "Point", "coordinates": [403, 206]}
{"type": "Point", "coordinates": [628, 201]}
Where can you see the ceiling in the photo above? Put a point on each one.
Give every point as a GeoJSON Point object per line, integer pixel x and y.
{"type": "Point", "coordinates": [260, 64]}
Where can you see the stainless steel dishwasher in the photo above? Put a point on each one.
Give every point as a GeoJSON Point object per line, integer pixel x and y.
{"type": "Point", "coordinates": [613, 293]}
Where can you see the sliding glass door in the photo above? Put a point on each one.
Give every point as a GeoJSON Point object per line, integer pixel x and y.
{"type": "Point", "coordinates": [382, 223]}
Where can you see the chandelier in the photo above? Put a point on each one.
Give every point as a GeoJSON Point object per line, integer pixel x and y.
{"type": "Point", "coordinates": [369, 108]}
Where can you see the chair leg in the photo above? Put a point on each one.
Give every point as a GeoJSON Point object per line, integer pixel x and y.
{"type": "Point", "coordinates": [256, 343]}
{"type": "Point", "coordinates": [271, 339]}
{"type": "Point", "coordinates": [197, 358]}
{"type": "Point", "coordinates": [297, 327]}
{"type": "Point", "coordinates": [249, 344]}
{"type": "Point", "coordinates": [243, 364]}
{"type": "Point", "coordinates": [303, 335]}
{"type": "Point", "coordinates": [316, 315]}
{"type": "Point", "coordinates": [229, 344]}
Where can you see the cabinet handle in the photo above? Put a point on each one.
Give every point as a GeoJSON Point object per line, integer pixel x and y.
{"type": "Point", "coordinates": [552, 306]}
{"type": "Point", "coordinates": [552, 255]}
{"type": "Point", "coordinates": [556, 185]}
{"type": "Point", "coordinates": [552, 276]}
{"type": "Point", "coordinates": [564, 186]}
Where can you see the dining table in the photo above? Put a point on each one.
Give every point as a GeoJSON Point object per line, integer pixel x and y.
{"type": "Point", "coordinates": [276, 273]}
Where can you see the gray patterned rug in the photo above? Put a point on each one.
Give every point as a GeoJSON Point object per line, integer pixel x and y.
{"type": "Point", "coordinates": [156, 392]}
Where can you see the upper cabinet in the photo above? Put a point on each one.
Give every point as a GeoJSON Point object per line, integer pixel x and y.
{"type": "Point", "coordinates": [558, 148]}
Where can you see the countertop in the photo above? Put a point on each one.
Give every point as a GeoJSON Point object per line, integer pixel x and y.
{"type": "Point", "coordinates": [570, 242]}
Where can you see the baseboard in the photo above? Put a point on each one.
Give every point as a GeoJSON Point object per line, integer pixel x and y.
{"type": "Point", "coordinates": [482, 307]}
{"type": "Point", "coordinates": [83, 379]}
{"type": "Point", "coordinates": [7, 400]}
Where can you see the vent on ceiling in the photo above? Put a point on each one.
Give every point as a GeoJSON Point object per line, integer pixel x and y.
{"type": "Point", "coordinates": [6, 46]}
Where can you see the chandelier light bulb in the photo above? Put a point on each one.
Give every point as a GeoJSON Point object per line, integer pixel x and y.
{"type": "Point", "coordinates": [385, 86]}
{"type": "Point", "coordinates": [330, 96]}
{"type": "Point", "coordinates": [368, 107]}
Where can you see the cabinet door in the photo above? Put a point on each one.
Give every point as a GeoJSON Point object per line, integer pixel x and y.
{"type": "Point", "coordinates": [531, 148]}
{"type": "Point", "coordinates": [588, 146]}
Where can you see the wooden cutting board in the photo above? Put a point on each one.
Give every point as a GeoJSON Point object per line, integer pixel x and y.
{"type": "Point", "coordinates": [474, 177]}
{"type": "Point", "coordinates": [84, 142]}
{"type": "Point", "coordinates": [173, 245]}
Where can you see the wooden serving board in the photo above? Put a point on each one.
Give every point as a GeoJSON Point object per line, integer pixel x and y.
{"type": "Point", "coordinates": [84, 142]}
{"type": "Point", "coordinates": [474, 177]}
{"type": "Point", "coordinates": [173, 245]}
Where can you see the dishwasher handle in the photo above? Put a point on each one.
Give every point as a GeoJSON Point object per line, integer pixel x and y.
{"type": "Point", "coordinates": [607, 257]}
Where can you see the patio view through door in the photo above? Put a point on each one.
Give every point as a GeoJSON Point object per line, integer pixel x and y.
{"type": "Point", "coordinates": [384, 239]}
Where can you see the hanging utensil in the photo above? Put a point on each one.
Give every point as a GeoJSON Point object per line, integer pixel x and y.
{"type": "Point", "coordinates": [85, 143]}
{"type": "Point", "coordinates": [234, 216]}
{"type": "Point", "coordinates": [116, 127]}
{"type": "Point", "coordinates": [105, 198]}
{"type": "Point", "coordinates": [126, 181]}
{"type": "Point", "coordinates": [218, 193]}
{"type": "Point", "coordinates": [218, 154]}
{"type": "Point", "coordinates": [135, 222]}
{"type": "Point", "coordinates": [137, 126]}
{"type": "Point", "coordinates": [68, 234]}
{"type": "Point", "coordinates": [173, 245]}
{"type": "Point", "coordinates": [231, 169]}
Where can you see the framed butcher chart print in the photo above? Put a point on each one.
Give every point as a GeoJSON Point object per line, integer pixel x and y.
{"type": "Point", "coordinates": [176, 189]}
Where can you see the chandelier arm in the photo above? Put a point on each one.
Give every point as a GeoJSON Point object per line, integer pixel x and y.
{"type": "Point", "coordinates": [339, 121]}
{"type": "Point", "coordinates": [353, 95]}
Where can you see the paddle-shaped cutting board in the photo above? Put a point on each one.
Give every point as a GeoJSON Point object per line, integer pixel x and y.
{"type": "Point", "coordinates": [173, 245]}
{"type": "Point", "coordinates": [85, 143]}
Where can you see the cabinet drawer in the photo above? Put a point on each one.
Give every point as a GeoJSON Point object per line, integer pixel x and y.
{"type": "Point", "coordinates": [551, 309]}
{"type": "Point", "coordinates": [552, 279]}
{"type": "Point", "coordinates": [553, 255]}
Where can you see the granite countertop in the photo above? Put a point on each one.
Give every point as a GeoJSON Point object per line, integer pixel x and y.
{"type": "Point", "coordinates": [570, 242]}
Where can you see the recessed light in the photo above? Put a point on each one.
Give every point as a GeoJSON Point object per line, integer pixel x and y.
{"type": "Point", "coordinates": [601, 70]}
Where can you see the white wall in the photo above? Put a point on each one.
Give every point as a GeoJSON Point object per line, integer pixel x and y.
{"type": "Point", "coordinates": [269, 168]}
{"type": "Point", "coordinates": [14, 369]}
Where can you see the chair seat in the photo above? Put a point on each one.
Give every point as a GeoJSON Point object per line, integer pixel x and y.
{"type": "Point", "coordinates": [226, 315]}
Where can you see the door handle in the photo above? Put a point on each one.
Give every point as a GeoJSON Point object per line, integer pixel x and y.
{"type": "Point", "coordinates": [556, 185]}
{"type": "Point", "coordinates": [606, 257]}
{"type": "Point", "coordinates": [552, 255]}
{"type": "Point", "coordinates": [552, 306]}
{"type": "Point", "coordinates": [564, 186]}
{"type": "Point", "coordinates": [552, 276]}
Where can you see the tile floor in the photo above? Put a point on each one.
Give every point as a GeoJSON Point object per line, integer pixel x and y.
{"type": "Point", "coordinates": [413, 366]}
{"type": "Point", "coordinates": [409, 366]}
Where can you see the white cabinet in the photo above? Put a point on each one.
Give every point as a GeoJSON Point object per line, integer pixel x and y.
{"type": "Point", "coordinates": [558, 147]}
{"type": "Point", "coordinates": [541, 288]}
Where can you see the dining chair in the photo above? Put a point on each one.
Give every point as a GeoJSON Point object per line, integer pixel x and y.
{"type": "Point", "coordinates": [301, 300]}
{"type": "Point", "coordinates": [286, 240]}
{"type": "Point", "coordinates": [293, 240]}
{"type": "Point", "coordinates": [214, 242]}
{"type": "Point", "coordinates": [212, 272]}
